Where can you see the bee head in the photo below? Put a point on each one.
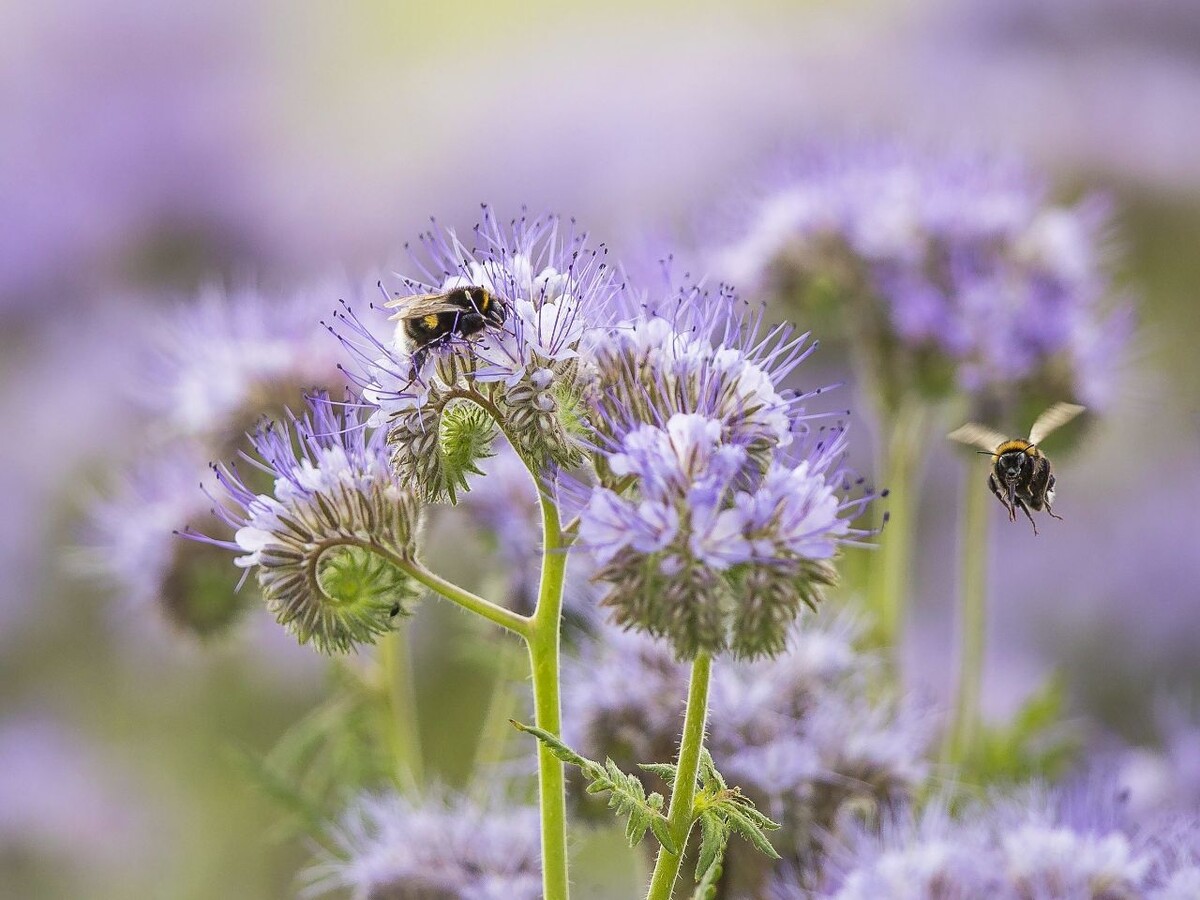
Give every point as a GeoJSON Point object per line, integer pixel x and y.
{"type": "Point", "coordinates": [1011, 464]}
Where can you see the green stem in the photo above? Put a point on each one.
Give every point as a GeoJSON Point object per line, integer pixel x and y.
{"type": "Point", "coordinates": [543, 640]}
{"type": "Point", "coordinates": [683, 793]}
{"type": "Point", "coordinates": [404, 736]}
{"type": "Point", "coordinates": [505, 618]}
{"type": "Point", "coordinates": [964, 727]}
{"type": "Point", "coordinates": [887, 590]}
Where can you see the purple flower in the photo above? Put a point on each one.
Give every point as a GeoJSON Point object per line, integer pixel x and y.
{"type": "Point", "coordinates": [692, 550]}
{"type": "Point", "coordinates": [949, 264]}
{"type": "Point", "coordinates": [132, 543]}
{"type": "Point", "coordinates": [553, 288]}
{"type": "Point", "coordinates": [442, 846]}
{"type": "Point", "coordinates": [326, 540]}
{"type": "Point", "coordinates": [228, 358]}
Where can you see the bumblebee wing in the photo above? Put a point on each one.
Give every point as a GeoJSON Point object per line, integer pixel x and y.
{"type": "Point", "coordinates": [976, 435]}
{"type": "Point", "coordinates": [1053, 419]}
{"type": "Point", "coordinates": [421, 305]}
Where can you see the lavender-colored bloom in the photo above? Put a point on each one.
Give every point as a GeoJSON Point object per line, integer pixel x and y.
{"type": "Point", "coordinates": [553, 288]}
{"type": "Point", "coordinates": [718, 511]}
{"type": "Point", "coordinates": [704, 557]}
{"type": "Point", "coordinates": [442, 846]}
{"type": "Point", "coordinates": [326, 540]}
{"type": "Point", "coordinates": [132, 543]}
{"type": "Point", "coordinates": [1075, 841]}
{"type": "Point", "coordinates": [948, 264]}
{"type": "Point", "coordinates": [804, 734]}
{"type": "Point", "coordinates": [230, 357]}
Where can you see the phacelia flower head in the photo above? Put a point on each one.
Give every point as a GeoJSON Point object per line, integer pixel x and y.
{"type": "Point", "coordinates": [231, 357]}
{"type": "Point", "coordinates": [1072, 841]}
{"type": "Point", "coordinates": [720, 507]}
{"type": "Point", "coordinates": [328, 541]}
{"type": "Point", "coordinates": [443, 846]}
{"type": "Point", "coordinates": [552, 287]}
{"type": "Point", "coordinates": [957, 271]}
{"type": "Point", "coordinates": [132, 544]}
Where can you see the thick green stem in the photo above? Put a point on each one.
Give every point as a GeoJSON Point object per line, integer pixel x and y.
{"type": "Point", "coordinates": [683, 793]}
{"type": "Point", "coordinates": [404, 740]}
{"type": "Point", "coordinates": [964, 727]}
{"type": "Point", "coordinates": [890, 565]}
{"type": "Point", "coordinates": [543, 641]}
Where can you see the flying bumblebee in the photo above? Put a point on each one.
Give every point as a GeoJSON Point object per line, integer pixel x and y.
{"type": "Point", "coordinates": [1021, 475]}
{"type": "Point", "coordinates": [430, 319]}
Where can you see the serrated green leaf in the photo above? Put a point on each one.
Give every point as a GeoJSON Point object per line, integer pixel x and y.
{"type": "Point", "coordinates": [627, 794]}
{"type": "Point", "coordinates": [748, 828]}
{"type": "Point", "coordinates": [665, 771]}
{"type": "Point", "coordinates": [714, 835]}
{"type": "Point", "coordinates": [662, 831]}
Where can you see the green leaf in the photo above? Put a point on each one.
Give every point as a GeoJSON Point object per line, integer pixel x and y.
{"type": "Point", "coordinates": [627, 796]}
{"type": "Point", "coordinates": [714, 835]}
{"type": "Point", "coordinates": [665, 771]}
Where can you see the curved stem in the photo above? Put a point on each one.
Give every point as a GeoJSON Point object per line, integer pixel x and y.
{"type": "Point", "coordinates": [505, 618]}
{"type": "Point", "coordinates": [683, 793]}
{"type": "Point", "coordinates": [404, 736]}
{"type": "Point", "coordinates": [889, 572]}
{"type": "Point", "coordinates": [544, 661]}
{"type": "Point", "coordinates": [973, 538]}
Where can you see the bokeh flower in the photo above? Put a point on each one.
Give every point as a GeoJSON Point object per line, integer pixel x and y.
{"type": "Point", "coordinates": [327, 540]}
{"type": "Point", "coordinates": [131, 542]}
{"type": "Point", "coordinates": [951, 271]}
{"type": "Point", "coordinates": [442, 846]}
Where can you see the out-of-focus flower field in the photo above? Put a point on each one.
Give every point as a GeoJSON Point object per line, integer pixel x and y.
{"type": "Point", "coordinates": [190, 194]}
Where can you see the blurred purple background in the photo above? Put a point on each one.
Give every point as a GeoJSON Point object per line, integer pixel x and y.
{"type": "Point", "coordinates": [148, 150]}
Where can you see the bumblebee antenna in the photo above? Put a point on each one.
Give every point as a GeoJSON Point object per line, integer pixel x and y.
{"type": "Point", "coordinates": [985, 452]}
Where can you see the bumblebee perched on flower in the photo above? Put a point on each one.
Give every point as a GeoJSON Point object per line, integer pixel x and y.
{"type": "Point", "coordinates": [1021, 475]}
{"type": "Point", "coordinates": [430, 319]}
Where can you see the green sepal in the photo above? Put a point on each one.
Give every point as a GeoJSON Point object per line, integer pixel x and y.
{"type": "Point", "coordinates": [465, 435]}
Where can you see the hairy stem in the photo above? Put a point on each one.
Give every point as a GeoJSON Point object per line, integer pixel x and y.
{"type": "Point", "coordinates": [683, 792]}
{"type": "Point", "coordinates": [404, 736]}
{"type": "Point", "coordinates": [887, 590]}
{"type": "Point", "coordinates": [544, 661]}
{"type": "Point", "coordinates": [505, 618]}
{"type": "Point", "coordinates": [973, 538]}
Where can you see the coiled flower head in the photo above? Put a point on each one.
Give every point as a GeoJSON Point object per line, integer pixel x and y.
{"type": "Point", "coordinates": [525, 373]}
{"type": "Point", "coordinates": [328, 542]}
{"type": "Point", "coordinates": [443, 847]}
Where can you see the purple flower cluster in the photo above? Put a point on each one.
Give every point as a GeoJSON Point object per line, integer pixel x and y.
{"type": "Point", "coordinates": [1075, 842]}
{"type": "Point", "coordinates": [718, 513]}
{"type": "Point", "coordinates": [228, 358]}
{"type": "Point", "coordinates": [442, 846]}
{"type": "Point", "coordinates": [804, 734]}
{"type": "Point", "coordinates": [132, 544]}
{"type": "Point", "coordinates": [553, 288]}
{"type": "Point", "coordinates": [948, 264]}
{"type": "Point", "coordinates": [326, 539]}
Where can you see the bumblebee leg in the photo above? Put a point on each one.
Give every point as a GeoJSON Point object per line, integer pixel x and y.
{"type": "Point", "coordinates": [1028, 514]}
{"type": "Point", "coordinates": [994, 487]}
{"type": "Point", "coordinates": [1052, 513]}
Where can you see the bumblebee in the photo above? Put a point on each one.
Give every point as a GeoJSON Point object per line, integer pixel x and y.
{"type": "Point", "coordinates": [431, 319]}
{"type": "Point", "coordinates": [1021, 477]}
